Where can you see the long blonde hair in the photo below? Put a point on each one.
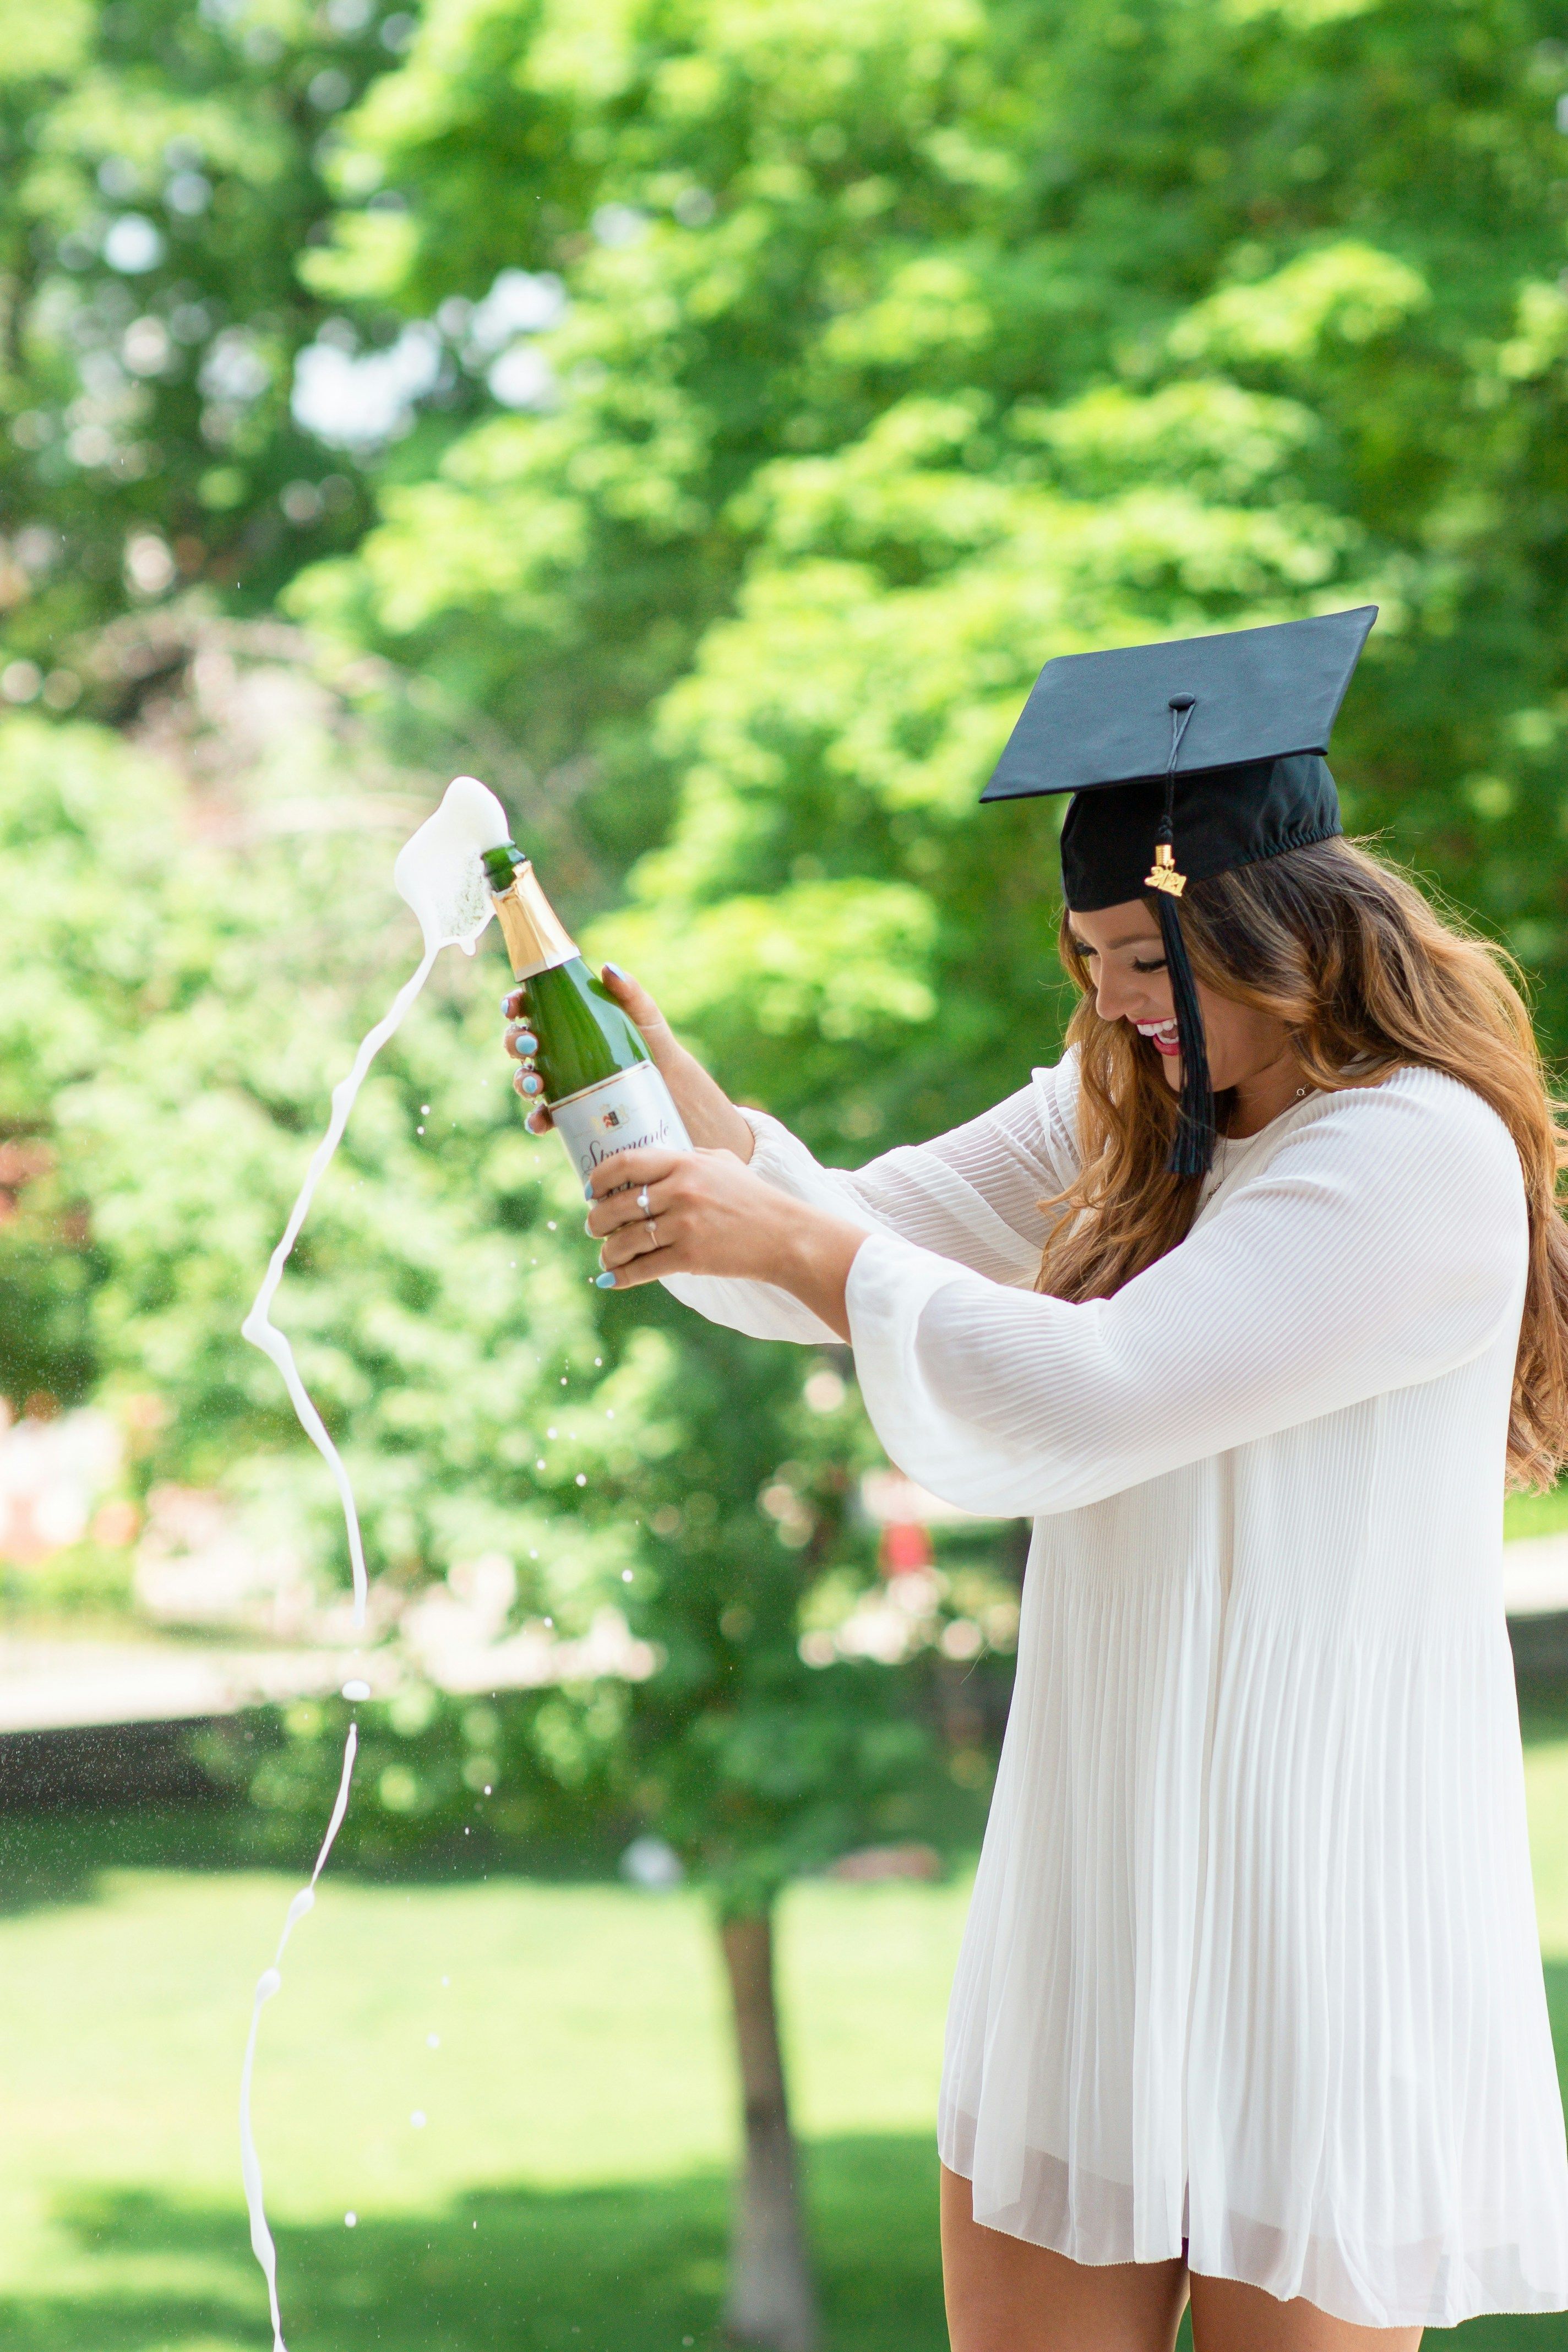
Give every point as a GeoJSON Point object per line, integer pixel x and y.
{"type": "Point", "coordinates": [1366, 978]}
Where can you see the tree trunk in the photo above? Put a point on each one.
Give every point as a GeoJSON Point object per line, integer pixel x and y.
{"type": "Point", "coordinates": [771, 2300]}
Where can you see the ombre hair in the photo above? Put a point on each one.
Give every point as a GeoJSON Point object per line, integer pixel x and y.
{"type": "Point", "coordinates": [1367, 978]}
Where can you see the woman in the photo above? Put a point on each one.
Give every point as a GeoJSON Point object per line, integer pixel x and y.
{"type": "Point", "coordinates": [1250, 2005]}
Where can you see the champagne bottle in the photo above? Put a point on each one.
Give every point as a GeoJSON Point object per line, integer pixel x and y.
{"type": "Point", "coordinates": [604, 1091]}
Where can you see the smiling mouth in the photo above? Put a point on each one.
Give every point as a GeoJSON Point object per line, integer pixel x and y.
{"type": "Point", "coordinates": [1162, 1035]}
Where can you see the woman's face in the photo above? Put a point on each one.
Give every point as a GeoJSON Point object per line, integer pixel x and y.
{"type": "Point", "coordinates": [1125, 957]}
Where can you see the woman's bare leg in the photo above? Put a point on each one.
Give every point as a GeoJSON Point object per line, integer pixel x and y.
{"type": "Point", "coordinates": [1229, 2317]}
{"type": "Point", "coordinates": [1006, 2295]}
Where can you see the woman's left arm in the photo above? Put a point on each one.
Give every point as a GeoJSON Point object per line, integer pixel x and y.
{"type": "Point", "coordinates": [660, 1212]}
{"type": "Point", "coordinates": [1383, 1246]}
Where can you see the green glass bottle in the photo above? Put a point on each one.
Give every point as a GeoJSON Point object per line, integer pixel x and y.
{"type": "Point", "coordinates": [604, 1091]}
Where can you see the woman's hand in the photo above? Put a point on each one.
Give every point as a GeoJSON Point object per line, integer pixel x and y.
{"type": "Point", "coordinates": [659, 1213]}
{"type": "Point", "coordinates": [712, 1120]}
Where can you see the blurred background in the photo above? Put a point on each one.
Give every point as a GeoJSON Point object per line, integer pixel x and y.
{"type": "Point", "coordinates": [699, 418]}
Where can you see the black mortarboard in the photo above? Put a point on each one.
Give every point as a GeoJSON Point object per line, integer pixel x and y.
{"type": "Point", "coordinates": [1184, 759]}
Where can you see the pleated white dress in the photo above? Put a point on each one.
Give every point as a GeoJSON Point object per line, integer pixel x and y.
{"type": "Point", "coordinates": [1251, 1967]}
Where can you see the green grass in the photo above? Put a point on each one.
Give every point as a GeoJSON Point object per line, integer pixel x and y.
{"type": "Point", "coordinates": [568, 2190]}
{"type": "Point", "coordinates": [579, 2111]}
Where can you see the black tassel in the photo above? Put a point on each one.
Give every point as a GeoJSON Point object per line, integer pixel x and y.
{"type": "Point", "coordinates": [1191, 1153]}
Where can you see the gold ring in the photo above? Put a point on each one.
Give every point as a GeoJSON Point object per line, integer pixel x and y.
{"type": "Point", "coordinates": [653, 1233]}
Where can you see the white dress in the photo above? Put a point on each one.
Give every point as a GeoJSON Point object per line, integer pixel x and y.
{"type": "Point", "coordinates": [1251, 1968]}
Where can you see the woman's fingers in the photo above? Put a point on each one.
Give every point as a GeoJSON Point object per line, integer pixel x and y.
{"type": "Point", "coordinates": [522, 1043]}
{"type": "Point", "coordinates": [633, 996]}
{"type": "Point", "coordinates": [626, 1208]}
{"type": "Point", "coordinates": [647, 1164]}
{"type": "Point", "coordinates": [657, 1212]}
{"type": "Point", "coordinates": [647, 1264]}
{"type": "Point", "coordinates": [639, 1244]}
{"type": "Point", "coordinates": [637, 1240]}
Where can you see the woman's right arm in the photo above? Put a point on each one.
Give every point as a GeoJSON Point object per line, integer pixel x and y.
{"type": "Point", "coordinates": [972, 1195]}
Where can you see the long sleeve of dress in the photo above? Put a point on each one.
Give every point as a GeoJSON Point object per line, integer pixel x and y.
{"type": "Point", "coordinates": [1377, 1247]}
{"type": "Point", "coordinates": [973, 1198]}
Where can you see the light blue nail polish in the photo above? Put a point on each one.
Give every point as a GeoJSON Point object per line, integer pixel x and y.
{"type": "Point", "coordinates": [587, 1191]}
{"type": "Point", "coordinates": [617, 971]}
{"type": "Point", "coordinates": [604, 1281]}
{"type": "Point", "coordinates": [531, 1085]}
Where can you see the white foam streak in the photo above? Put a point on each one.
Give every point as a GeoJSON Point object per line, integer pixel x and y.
{"type": "Point", "coordinates": [334, 1826]}
{"type": "Point", "coordinates": [259, 1327]}
{"type": "Point", "coordinates": [261, 2244]}
{"type": "Point", "coordinates": [439, 873]}
{"type": "Point", "coordinates": [269, 1982]}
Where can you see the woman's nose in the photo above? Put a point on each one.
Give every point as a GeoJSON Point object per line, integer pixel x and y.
{"type": "Point", "coordinates": [1116, 997]}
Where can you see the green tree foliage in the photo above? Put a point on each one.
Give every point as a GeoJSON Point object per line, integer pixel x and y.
{"type": "Point", "coordinates": [162, 168]}
{"type": "Point", "coordinates": [176, 1012]}
{"type": "Point", "coordinates": [910, 346]}
{"type": "Point", "coordinates": [184, 981]}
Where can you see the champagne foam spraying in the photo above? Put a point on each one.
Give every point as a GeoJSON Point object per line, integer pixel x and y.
{"type": "Point", "coordinates": [439, 876]}
{"type": "Point", "coordinates": [438, 870]}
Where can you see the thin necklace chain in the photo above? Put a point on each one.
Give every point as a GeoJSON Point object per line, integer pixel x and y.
{"type": "Point", "coordinates": [1299, 1096]}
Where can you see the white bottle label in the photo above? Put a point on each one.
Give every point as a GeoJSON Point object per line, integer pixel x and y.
{"type": "Point", "coordinates": [620, 1114]}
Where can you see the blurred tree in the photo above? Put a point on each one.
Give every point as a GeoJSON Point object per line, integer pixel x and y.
{"type": "Point", "coordinates": [187, 968]}
{"type": "Point", "coordinates": [907, 347]}
{"type": "Point", "coordinates": [188, 958]}
{"type": "Point", "coordinates": [184, 980]}
{"type": "Point", "coordinates": [161, 169]}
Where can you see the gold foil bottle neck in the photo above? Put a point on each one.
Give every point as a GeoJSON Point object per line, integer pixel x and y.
{"type": "Point", "coordinates": [536, 939]}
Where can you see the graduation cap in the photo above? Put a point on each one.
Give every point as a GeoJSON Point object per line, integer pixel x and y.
{"type": "Point", "coordinates": [1184, 759]}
